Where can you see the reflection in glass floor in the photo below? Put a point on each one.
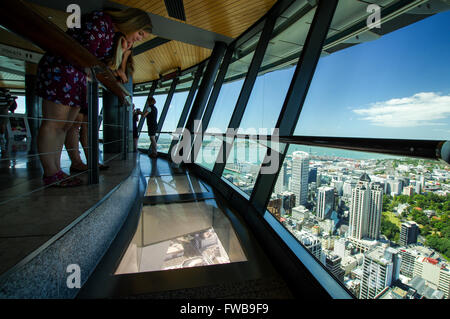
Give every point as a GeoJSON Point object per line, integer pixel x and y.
{"type": "Point", "coordinates": [175, 184]}
{"type": "Point", "coordinates": [181, 235]}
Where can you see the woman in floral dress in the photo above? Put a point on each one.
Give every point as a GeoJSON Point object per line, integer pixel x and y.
{"type": "Point", "coordinates": [63, 85]}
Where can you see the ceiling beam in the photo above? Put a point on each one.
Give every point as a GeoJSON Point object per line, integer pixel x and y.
{"type": "Point", "coordinates": [162, 27]}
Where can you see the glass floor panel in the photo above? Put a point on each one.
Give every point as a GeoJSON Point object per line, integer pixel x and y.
{"type": "Point", "coordinates": [181, 235]}
{"type": "Point", "coordinates": [175, 184]}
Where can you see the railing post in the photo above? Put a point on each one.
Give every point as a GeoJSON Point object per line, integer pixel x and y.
{"type": "Point", "coordinates": [150, 94]}
{"type": "Point", "coordinates": [92, 160]}
{"type": "Point", "coordinates": [203, 93]}
{"type": "Point", "coordinates": [125, 119]}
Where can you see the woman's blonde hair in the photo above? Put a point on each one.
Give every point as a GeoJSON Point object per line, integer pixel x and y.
{"type": "Point", "coordinates": [130, 20]}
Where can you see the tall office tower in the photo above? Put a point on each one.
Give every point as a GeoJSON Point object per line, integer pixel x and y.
{"type": "Point", "coordinates": [340, 247]}
{"type": "Point", "coordinates": [418, 188]}
{"type": "Point", "coordinates": [300, 170]}
{"type": "Point", "coordinates": [333, 263]}
{"type": "Point", "coordinates": [408, 190]}
{"type": "Point", "coordinates": [409, 233]}
{"type": "Point", "coordinates": [365, 209]}
{"type": "Point", "coordinates": [339, 186]}
{"type": "Point", "coordinates": [375, 208]}
{"type": "Point", "coordinates": [325, 201]}
{"type": "Point", "coordinates": [359, 209]}
{"type": "Point", "coordinates": [422, 182]}
{"type": "Point", "coordinates": [274, 207]}
{"type": "Point", "coordinates": [397, 187]}
{"type": "Point", "coordinates": [287, 202]}
{"type": "Point", "coordinates": [279, 185]}
{"type": "Point", "coordinates": [381, 267]}
{"type": "Point", "coordinates": [408, 259]}
{"type": "Point", "coordinates": [347, 188]}
{"type": "Point", "coordinates": [312, 175]}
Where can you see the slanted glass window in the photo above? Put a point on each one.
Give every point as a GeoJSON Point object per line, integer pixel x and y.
{"type": "Point", "coordinates": [174, 112]}
{"type": "Point", "coordinates": [268, 94]}
{"type": "Point", "coordinates": [277, 69]}
{"type": "Point", "coordinates": [368, 218]}
{"type": "Point", "coordinates": [234, 79]}
{"type": "Point", "coordinates": [226, 102]}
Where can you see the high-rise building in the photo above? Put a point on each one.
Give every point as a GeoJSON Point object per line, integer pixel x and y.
{"type": "Point", "coordinates": [340, 247]}
{"type": "Point", "coordinates": [375, 209]}
{"type": "Point", "coordinates": [408, 190]}
{"type": "Point", "coordinates": [274, 207]}
{"type": "Point", "coordinates": [365, 210]}
{"type": "Point", "coordinates": [381, 267]}
{"type": "Point", "coordinates": [325, 201]}
{"type": "Point", "coordinates": [333, 263]}
{"type": "Point", "coordinates": [287, 202]}
{"type": "Point", "coordinates": [312, 175]}
{"type": "Point", "coordinates": [347, 188]}
{"type": "Point", "coordinates": [397, 187]}
{"type": "Point", "coordinates": [312, 243]}
{"type": "Point", "coordinates": [300, 171]}
{"type": "Point", "coordinates": [409, 233]}
{"type": "Point", "coordinates": [418, 188]}
{"type": "Point", "coordinates": [279, 187]}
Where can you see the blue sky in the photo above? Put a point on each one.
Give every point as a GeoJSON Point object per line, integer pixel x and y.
{"type": "Point", "coordinates": [395, 87]}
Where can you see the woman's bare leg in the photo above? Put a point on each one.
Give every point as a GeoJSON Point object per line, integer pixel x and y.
{"type": "Point", "coordinates": [72, 143]}
{"type": "Point", "coordinates": [53, 133]}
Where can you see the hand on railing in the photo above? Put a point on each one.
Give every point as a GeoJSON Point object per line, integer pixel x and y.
{"type": "Point", "coordinates": [121, 75]}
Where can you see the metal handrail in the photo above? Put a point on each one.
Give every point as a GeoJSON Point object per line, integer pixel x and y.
{"type": "Point", "coordinates": [430, 149]}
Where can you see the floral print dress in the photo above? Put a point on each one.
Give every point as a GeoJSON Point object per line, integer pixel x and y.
{"type": "Point", "coordinates": [63, 83]}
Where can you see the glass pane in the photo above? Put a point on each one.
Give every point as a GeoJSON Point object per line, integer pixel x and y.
{"type": "Point", "coordinates": [174, 112]}
{"type": "Point", "coordinates": [175, 184]}
{"type": "Point", "coordinates": [229, 93]}
{"type": "Point", "coordinates": [163, 143]}
{"type": "Point", "coordinates": [370, 219]}
{"type": "Point", "coordinates": [385, 86]}
{"type": "Point", "coordinates": [209, 150]}
{"type": "Point", "coordinates": [243, 163]}
{"type": "Point", "coordinates": [270, 87]}
{"type": "Point", "coordinates": [183, 235]}
{"type": "Point", "coordinates": [160, 101]}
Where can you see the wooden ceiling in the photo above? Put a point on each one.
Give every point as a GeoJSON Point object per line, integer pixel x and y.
{"type": "Point", "coordinates": [227, 17]}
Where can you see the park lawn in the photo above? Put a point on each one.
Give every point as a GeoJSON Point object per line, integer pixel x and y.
{"type": "Point", "coordinates": [390, 216]}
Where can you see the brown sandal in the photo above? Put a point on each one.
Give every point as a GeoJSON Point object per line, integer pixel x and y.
{"type": "Point", "coordinates": [61, 179]}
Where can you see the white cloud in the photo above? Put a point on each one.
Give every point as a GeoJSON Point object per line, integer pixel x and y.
{"type": "Point", "coordinates": [421, 109]}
